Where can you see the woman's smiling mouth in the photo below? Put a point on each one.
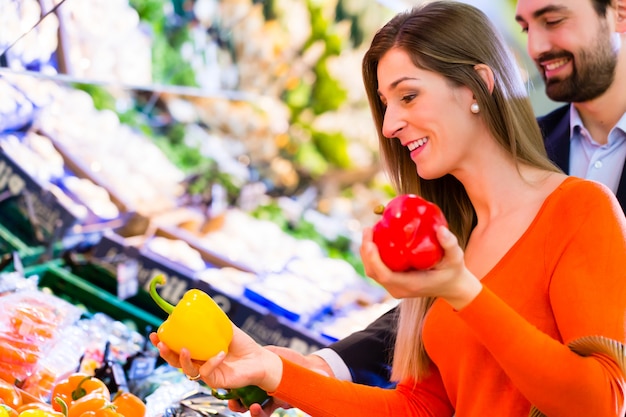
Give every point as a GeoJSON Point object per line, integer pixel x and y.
{"type": "Point", "coordinates": [416, 144]}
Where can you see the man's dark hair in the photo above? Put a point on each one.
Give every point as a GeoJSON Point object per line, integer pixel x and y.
{"type": "Point", "coordinates": [600, 6]}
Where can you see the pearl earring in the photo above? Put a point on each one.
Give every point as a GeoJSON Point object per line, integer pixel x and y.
{"type": "Point", "coordinates": [474, 108]}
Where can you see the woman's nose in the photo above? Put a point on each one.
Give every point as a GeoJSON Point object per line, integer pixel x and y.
{"type": "Point", "coordinates": [392, 124]}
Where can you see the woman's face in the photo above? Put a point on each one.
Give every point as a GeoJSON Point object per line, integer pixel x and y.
{"type": "Point", "coordinates": [429, 116]}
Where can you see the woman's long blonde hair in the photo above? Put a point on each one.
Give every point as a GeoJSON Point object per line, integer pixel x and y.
{"type": "Point", "coordinates": [450, 38]}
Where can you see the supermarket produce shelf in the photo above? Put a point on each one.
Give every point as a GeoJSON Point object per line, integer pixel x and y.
{"type": "Point", "coordinates": [54, 276]}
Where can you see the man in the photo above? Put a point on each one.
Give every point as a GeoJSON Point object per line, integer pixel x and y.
{"type": "Point", "coordinates": [583, 62]}
{"type": "Point", "coordinates": [579, 47]}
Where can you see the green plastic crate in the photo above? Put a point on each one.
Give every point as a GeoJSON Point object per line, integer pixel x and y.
{"type": "Point", "coordinates": [104, 278]}
{"type": "Point", "coordinates": [78, 291]}
{"type": "Point", "coordinates": [9, 242]}
{"type": "Point", "coordinates": [29, 253]}
{"type": "Point", "coordinates": [14, 220]}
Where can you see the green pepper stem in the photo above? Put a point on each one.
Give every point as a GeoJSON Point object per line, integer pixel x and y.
{"type": "Point", "coordinates": [379, 209]}
{"type": "Point", "coordinates": [79, 391]}
{"type": "Point", "coordinates": [63, 404]}
{"type": "Point", "coordinates": [224, 394]}
{"type": "Point", "coordinates": [160, 279]}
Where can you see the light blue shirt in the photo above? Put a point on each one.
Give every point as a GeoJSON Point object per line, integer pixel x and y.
{"type": "Point", "coordinates": [591, 160]}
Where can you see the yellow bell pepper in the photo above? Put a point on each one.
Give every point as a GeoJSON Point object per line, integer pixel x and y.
{"type": "Point", "coordinates": [196, 323]}
{"type": "Point", "coordinates": [6, 411]}
{"type": "Point", "coordinates": [39, 412]}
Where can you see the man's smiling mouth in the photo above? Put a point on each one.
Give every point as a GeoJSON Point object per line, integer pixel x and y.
{"type": "Point", "coordinates": [551, 66]}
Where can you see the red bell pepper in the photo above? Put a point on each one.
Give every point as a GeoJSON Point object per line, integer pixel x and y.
{"type": "Point", "coordinates": [406, 233]}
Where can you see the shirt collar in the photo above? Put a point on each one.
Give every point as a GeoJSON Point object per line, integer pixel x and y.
{"type": "Point", "coordinates": [576, 127]}
{"type": "Point", "coordinates": [575, 123]}
{"type": "Point", "coordinates": [621, 124]}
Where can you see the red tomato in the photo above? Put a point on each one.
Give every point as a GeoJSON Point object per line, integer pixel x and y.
{"type": "Point", "coordinates": [406, 233]}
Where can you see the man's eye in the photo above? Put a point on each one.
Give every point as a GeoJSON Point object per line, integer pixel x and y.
{"type": "Point", "coordinates": [547, 23]}
{"type": "Point", "coordinates": [553, 22]}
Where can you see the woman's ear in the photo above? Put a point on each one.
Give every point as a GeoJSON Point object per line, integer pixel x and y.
{"type": "Point", "coordinates": [486, 74]}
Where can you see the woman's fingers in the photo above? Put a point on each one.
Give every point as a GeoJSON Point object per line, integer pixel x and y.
{"type": "Point", "coordinates": [445, 237]}
{"type": "Point", "coordinates": [441, 280]}
{"type": "Point", "coordinates": [449, 243]}
{"type": "Point", "coordinates": [257, 411]}
{"type": "Point", "coordinates": [209, 366]}
{"type": "Point", "coordinates": [168, 355]}
{"type": "Point", "coordinates": [235, 405]}
{"type": "Point", "coordinates": [373, 265]}
{"type": "Point", "coordinates": [181, 360]}
{"type": "Point", "coordinates": [187, 365]}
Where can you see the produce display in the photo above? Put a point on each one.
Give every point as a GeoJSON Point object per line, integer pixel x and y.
{"type": "Point", "coordinates": [76, 395]}
{"type": "Point", "coordinates": [108, 152]}
{"type": "Point", "coordinates": [35, 46]}
{"type": "Point", "coordinates": [181, 138]}
{"type": "Point", "coordinates": [74, 387]}
{"type": "Point", "coordinates": [44, 337]}
{"type": "Point", "coordinates": [84, 363]}
{"type": "Point", "coordinates": [80, 394]}
{"type": "Point", "coordinates": [103, 40]}
{"type": "Point", "coordinates": [31, 325]}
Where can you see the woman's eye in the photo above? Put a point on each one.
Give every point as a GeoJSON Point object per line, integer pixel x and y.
{"type": "Point", "coordinates": [408, 98]}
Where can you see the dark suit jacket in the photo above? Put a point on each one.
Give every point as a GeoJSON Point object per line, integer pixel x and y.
{"type": "Point", "coordinates": [368, 353]}
{"type": "Point", "coordinates": [555, 128]}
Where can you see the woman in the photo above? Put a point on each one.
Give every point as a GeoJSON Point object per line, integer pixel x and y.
{"type": "Point", "coordinates": [526, 311]}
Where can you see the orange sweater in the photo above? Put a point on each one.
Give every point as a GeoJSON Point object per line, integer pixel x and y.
{"type": "Point", "coordinates": [565, 278]}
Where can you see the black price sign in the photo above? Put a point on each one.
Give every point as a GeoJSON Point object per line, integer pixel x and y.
{"type": "Point", "coordinates": [48, 217]}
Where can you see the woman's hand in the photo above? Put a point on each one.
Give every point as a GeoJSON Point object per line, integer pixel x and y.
{"type": "Point", "coordinates": [247, 363]}
{"type": "Point", "coordinates": [310, 361]}
{"type": "Point", "coordinates": [449, 279]}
